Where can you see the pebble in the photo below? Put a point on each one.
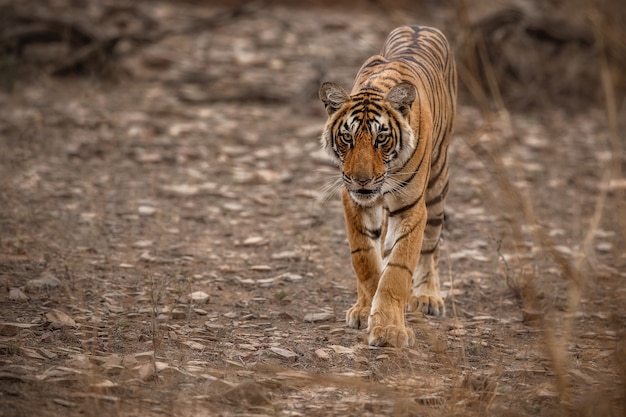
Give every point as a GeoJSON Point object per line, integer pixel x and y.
{"type": "Point", "coordinates": [315, 317]}
{"type": "Point", "coordinates": [59, 319]}
{"type": "Point", "coordinates": [16, 294]}
{"type": "Point", "coordinates": [199, 297]}
{"type": "Point", "coordinates": [146, 371]}
{"type": "Point", "coordinates": [322, 354]}
{"type": "Point", "coordinates": [178, 314]}
{"type": "Point", "coordinates": [284, 353]}
{"type": "Point", "coordinates": [146, 210]}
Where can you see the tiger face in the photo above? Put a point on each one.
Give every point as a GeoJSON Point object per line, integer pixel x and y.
{"type": "Point", "coordinates": [368, 135]}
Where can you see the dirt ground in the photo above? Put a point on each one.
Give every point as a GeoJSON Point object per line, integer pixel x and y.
{"type": "Point", "coordinates": [168, 246]}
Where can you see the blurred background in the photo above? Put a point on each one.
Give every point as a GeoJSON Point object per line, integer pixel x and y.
{"type": "Point", "coordinates": [522, 53]}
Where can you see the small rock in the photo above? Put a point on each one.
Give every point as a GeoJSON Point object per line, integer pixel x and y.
{"type": "Point", "coordinates": [255, 241]}
{"type": "Point", "coordinates": [261, 268]}
{"type": "Point", "coordinates": [146, 210]}
{"type": "Point", "coordinates": [315, 317]}
{"type": "Point", "coordinates": [291, 277]}
{"type": "Point", "coordinates": [484, 318]}
{"type": "Point", "coordinates": [31, 353]}
{"type": "Point", "coordinates": [106, 384]}
{"type": "Point", "coordinates": [342, 350]}
{"type": "Point", "coordinates": [64, 403]}
{"type": "Point", "coordinates": [129, 361]}
{"type": "Point", "coordinates": [194, 345]}
{"type": "Point", "coordinates": [322, 354]}
{"type": "Point", "coordinates": [113, 361]}
{"type": "Point", "coordinates": [146, 371]}
{"type": "Point", "coordinates": [143, 244]}
{"type": "Point", "coordinates": [178, 314]}
{"type": "Point", "coordinates": [16, 294]}
{"type": "Point", "coordinates": [286, 255]}
{"type": "Point", "coordinates": [199, 297]}
{"type": "Point", "coordinates": [59, 319]}
{"type": "Point", "coordinates": [182, 190]}
{"type": "Point", "coordinates": [144, 356]}
{"type": "Point", "coordinates": [285, 353]}
{"type": "Point", "coordinates": [46, 281]}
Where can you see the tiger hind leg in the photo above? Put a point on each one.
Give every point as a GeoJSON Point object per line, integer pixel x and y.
{"type": "Point", "coordinates": [426, 293]}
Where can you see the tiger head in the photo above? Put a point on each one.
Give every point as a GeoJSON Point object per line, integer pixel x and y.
{"type": "Point", "coordinates": [368, 135]}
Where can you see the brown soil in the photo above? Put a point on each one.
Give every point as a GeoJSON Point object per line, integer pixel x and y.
{"type": "Point", "coordinates": [191, 163]}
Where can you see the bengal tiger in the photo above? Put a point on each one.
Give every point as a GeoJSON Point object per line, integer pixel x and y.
{"type": "Point", "coordinates": [390, 137]}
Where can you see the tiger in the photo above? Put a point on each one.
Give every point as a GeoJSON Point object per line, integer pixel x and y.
{"type": "Point", "coordinates": [389, 137]}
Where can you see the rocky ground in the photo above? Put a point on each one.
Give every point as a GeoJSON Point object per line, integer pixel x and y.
{"type": "Point", "coordinates": [169, 245]}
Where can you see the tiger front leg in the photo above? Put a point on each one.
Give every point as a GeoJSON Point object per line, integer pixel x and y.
{"type": "Point", "coordinates": [386, 322]}
{"type": "Point", "coordinates": [365, 227]}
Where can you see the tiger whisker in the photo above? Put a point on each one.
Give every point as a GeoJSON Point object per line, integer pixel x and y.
{"type": "Point", "coordinates": [329, 189]}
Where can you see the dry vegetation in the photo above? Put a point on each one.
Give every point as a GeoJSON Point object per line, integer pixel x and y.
{"type": "Point", "coordinates": [166, 246]}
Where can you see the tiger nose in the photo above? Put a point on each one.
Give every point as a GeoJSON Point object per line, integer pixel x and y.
{"type": "Point", "coordinates": [361, 181]}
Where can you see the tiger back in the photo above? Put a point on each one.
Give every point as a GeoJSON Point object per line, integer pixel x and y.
{"type": "Point", "coordinates": [390, 138]}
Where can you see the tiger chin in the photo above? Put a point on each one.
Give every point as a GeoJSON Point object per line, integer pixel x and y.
{"type": "Point", "coordinates": [389, 137]}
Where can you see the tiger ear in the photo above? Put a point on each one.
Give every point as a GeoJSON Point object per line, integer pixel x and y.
{"type": "Point", "coordinates": [333, 96]}
{"type": "Point", "coordinates": [401, 97]}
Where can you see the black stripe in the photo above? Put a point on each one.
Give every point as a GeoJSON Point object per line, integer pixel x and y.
{"type": "Point", "coordinates": [429, 251]}
{"type": "Point", "coordinates": [439, 197]}
{"type": "Point", "coordinates": [435, 177]}
{"type": "Point", "coordinates": [357, 250]}
{"type": "Point", "coordinates": [408, 180]}
{"type": "Point", "coordinates": [372, 234]}
{"type": "Point", "coordinates": [405, 208]}
{"type": "Point", "coordinates": [437, 221]}
{"type": "Point", "coordinates": [404, 235]}
{"type": "Point", "coordinates": [403, 267]}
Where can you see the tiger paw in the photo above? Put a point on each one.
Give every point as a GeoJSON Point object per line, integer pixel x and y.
{"type": "Point", "coordinates": [356, 316]}
{"type": "Point", "coordinates": [386, 328]}
{"type": "Point", "coordinates": [392, 335]}
{"type": "Point", "coordinates": [428, 304]}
